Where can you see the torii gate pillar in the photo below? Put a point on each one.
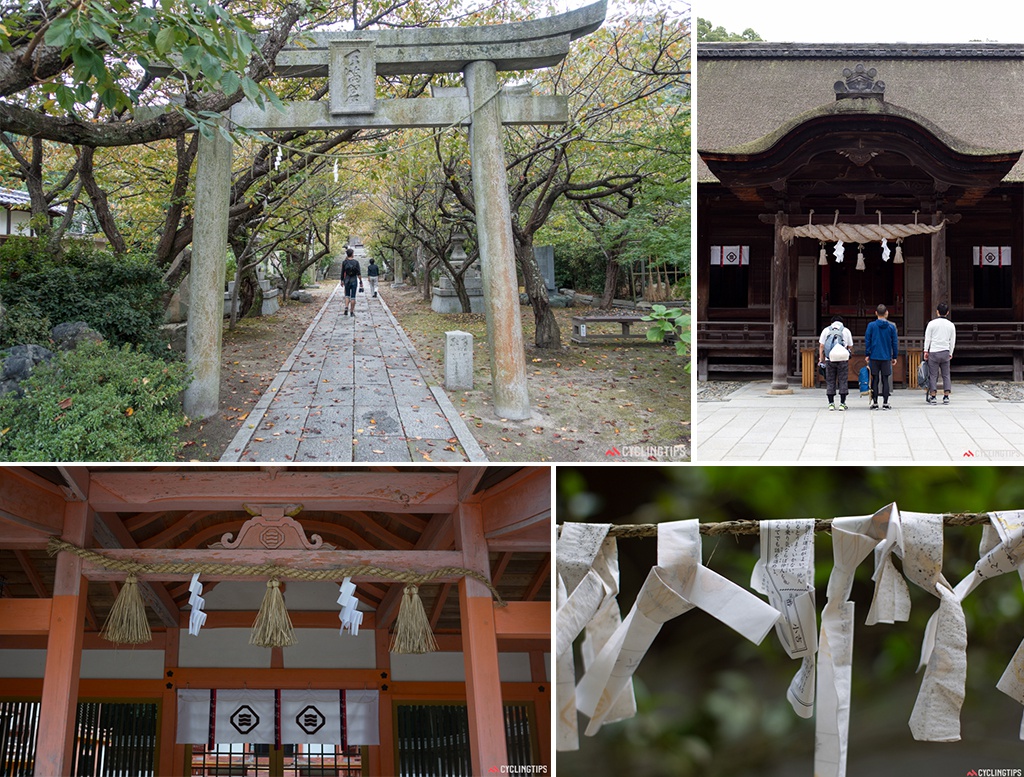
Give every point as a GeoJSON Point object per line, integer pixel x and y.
{"type": "Point", "coordinates": [497, 246]}
{"type": "Point", "coordinates": [352, 61]}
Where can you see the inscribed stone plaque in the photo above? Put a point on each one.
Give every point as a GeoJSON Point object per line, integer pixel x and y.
{"type": "Point", "coordinates": [458, 360]}
{"type": "Point", "coordinates": [545, 256]}
{"type": "Point", "coordinates": [353, 72]}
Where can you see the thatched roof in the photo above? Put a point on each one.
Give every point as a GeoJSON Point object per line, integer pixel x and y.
{"type": "Point", "coordinates": [971, 93]}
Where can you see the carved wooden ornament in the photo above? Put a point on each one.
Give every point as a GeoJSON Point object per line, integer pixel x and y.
{"type": "Point", "coordinates": [272, 528]}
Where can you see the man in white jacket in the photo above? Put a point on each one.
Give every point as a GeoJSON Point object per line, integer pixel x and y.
{"type": "Point", "coordinates": [939, 341]}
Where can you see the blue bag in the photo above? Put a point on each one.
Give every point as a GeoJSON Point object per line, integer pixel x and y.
{"type": "Point", "coordinates": [864, 378]}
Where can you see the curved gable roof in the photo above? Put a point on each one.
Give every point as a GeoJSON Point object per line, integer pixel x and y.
{"type": "Point", "coordinates": [749, 92]}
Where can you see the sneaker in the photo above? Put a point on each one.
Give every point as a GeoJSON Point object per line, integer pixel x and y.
{"type": "Point", "coordinates": [945, 399]}
{"type": "Point", "coordinates": [886, 406]}
{"type": "Point", "coordinates": [874, 406]}
{"type": "Point", "coordinates": [930, 399]}
{"type": "Point", "coordinates": [831, 406]}
{"type": "Point", "coordinates": [842, 406]}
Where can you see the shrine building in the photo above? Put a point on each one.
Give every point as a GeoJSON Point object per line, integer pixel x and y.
{"type": "Point", "coordinates": [142, 627]}
{"type": "Point", "coordinates": [908, 155]}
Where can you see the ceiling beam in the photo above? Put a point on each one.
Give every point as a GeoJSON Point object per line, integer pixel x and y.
{"type": "Point", "coordinates": [538, 581]}
{"type": "Point", "coordinates": [32, 574]}
{"type": "Point", "coordinates": [517, 512]}
{"type": "Point", "coordinates": [401, 492]}
{"type": "Point", "coordinates": [29, 503]}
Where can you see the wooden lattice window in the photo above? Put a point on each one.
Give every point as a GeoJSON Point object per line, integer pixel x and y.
{"type": "Point", "coordinates": [112, 739]}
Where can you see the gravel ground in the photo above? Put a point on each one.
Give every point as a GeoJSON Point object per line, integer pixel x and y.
{"type": "Point", "coordinates": [1004, 390]}
{"type": "Point", "coordinates": [717, 390]}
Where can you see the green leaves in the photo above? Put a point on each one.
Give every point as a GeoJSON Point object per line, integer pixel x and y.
{"type": "Point", "coordinates": [670, 321]}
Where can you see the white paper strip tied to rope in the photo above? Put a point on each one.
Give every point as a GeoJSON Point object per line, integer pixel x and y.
{"type": "Point", "coordinates": [936, 715]}
{"type": "Point", "coordinates": [853, 539]}
{"type": "Point", "coordinates": [1001, 551]}
{"type": "Point", "coordinates": [197, 617]}
{"type": "Point", "coordinates": [349, 616]}
{"type": "Point", "coordinates": [785, 573]}
{"type": "Point", "coordinates": [678, 583]}
{"type": "Point", "coordinates": [578, 545]}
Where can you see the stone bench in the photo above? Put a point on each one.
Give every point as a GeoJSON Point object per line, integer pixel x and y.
{"type": "Point", "coordinates": [581, 336]}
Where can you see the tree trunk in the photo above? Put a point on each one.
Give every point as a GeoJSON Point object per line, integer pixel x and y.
{"type": "Point", "coordinates": [547, 334]}
{"type": "Point", "coordinates": [611, 279]}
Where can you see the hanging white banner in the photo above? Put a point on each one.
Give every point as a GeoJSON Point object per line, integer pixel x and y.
{"type": "Point", "coordinates": [193, 717]}
{"type": "Point", "coordinates": [362, 718]}
{"type": "Point", "coordinates": [244, 716]}
{"type": "Point", "coordinates": [311, 716]}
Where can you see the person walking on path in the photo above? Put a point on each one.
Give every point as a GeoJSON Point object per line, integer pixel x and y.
{"type": "Point", "coordinates": [939, 341]}
{"type": "Point", "coordinates": [881, 347]}
{"type": "Point", "coordinates": [373, 273]}
{"type": "Point", "coordinates": [835, 346]}
{"type": "Point", "coordinates": [351, 277]}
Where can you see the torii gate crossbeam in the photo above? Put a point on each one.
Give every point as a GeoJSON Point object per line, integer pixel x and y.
{"type": "Point", "coordinates": [352, 61]}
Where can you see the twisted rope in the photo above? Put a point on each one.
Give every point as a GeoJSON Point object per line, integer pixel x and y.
{"type": "Point", "coordinates": [858, 233]}
{"type": "Point", "coordinates": [642, 530]}
{"type": "Point", "coordinates": [57, 545]}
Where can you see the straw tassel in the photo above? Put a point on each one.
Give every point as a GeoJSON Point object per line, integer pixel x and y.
{"type": "Point", "coordinates": [412, 627]}
{"type": "Point", "coordinates": [860, 256]}
{"type": "Point", "coordinates": [272, 627]}
{"type": "Point", "coordinates": [126, 623]}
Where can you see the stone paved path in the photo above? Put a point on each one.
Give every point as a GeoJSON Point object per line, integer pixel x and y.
{"type": "Point", "coordinates": [352, 391]}
{"type": "Point", "coordinates": [753, 426]}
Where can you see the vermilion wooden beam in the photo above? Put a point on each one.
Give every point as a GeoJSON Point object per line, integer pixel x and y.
{"type": "Point", "coordinates": [523, 620]}
{"type": "Point", "coordinates": [221, 677]}
{"type": "Point", "coordinates": [394, 492]}
{"type": "Point", "coordinates": [180, 526]}
{"type": "Point", "coordinates": [469, 479]}
{"type": "Point", "coordinates": [370, 525]}
{"type": "Point", "coordinates": [413, 561]}
{"type": "Point", "coordinates": [480, 648]}
{"type": "Point", "coordinates": [25, 616]}
{"type": "Point", "coordinates": [210, 534]}
{"type": "Point", "coordinates": [517, 512]}
{"type": "Point", "coordinates": [439, 603]}
{"type": "Point", "coordinates": [30, 502]}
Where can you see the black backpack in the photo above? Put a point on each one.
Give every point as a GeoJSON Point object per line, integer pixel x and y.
{"type": "Point", "coordinates": [350, 268]}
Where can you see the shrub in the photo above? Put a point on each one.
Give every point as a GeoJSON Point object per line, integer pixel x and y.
{"type": "Point", "coordinates": [118, 296]}
{"type": "Point", "coordinates": [95, 403]}
{"type": "Point", "coordinates": [670, 321]}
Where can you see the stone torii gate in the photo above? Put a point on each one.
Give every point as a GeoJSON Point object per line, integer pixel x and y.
{"type": "Point", "coordinates": [351, 61]}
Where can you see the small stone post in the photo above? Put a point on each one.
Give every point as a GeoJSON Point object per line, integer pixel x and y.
{"type": "Point", "coordinates": [458, 360]}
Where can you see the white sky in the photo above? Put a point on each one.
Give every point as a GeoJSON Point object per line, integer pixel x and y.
{"type": "Point", "coordinates": [891, 21]}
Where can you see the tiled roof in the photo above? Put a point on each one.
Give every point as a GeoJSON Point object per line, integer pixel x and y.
{"type": "Point", "coordinates": [14, 197]}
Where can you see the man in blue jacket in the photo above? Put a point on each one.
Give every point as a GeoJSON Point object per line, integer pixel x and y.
{"type": "Point", "coordinates": [881, 346]}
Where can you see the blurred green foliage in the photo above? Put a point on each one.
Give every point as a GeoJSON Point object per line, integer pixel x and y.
{"type": "Point", "coordinates": [712, 703]}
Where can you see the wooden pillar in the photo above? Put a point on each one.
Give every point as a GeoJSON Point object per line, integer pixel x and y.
{"type": "Point", "coordinates": [940, 275]}
{"type": "Point", "coordinates": [479, 647]}
{"type": "Point", "coordinates": [171, 756]}
{"type": "Point", "coordinates": [542, 706]}
{"type": "Point", "coordinates": [64, 651]}
{"type": "Point", "coordinates": [780, 310]}
{"type": "Point", "coordinates": [1017, 242]}
{"type": "Point", "coordinates": [382, 758]}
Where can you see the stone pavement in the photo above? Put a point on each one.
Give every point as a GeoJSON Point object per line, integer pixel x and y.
{"type": "Point", "coordinates": [751, 425]}
{"type": "Point", "coordinates": [351, 391]}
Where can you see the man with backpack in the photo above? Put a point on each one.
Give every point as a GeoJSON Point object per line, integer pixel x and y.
{"type": "Point", "coordinates": [834, 349]}
{"type": "Point", "coordinates": [351, 277]}
{"type": "Point", "coordinates": [881, 347]}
